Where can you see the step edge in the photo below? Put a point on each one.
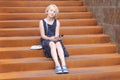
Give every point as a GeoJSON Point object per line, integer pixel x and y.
{"type": "Point", "coordinates": [75, 71]}
{"type": "Point", "coordinates": [71, 58]}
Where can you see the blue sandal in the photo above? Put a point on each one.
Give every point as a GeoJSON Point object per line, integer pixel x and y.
{"type": "Point", "coordinates": [58, 70]}
{"type": "Point", "coordinates": [64, 69]}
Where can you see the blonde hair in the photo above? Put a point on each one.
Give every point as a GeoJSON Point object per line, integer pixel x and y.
{"type": "Point", "coordinates": [52, 5]}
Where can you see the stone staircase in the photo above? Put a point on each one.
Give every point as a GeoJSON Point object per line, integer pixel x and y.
{"type": "Point", "coordinates": [92, 56]}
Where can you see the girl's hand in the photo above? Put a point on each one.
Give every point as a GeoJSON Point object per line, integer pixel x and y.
{"type": "Point", "coordinates": [59, 37]}
{"type": "Point", "coordinates": [52, 38]}
{"type": "Point", "coordinates": [56, 38]}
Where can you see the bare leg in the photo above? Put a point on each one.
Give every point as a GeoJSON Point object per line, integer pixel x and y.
{"type": "Point", "coordinates": [60, 53]}
{"type": "Point", "coordinates": [62, 58]}
{"type": "Point", "coordinates": [54, 53]}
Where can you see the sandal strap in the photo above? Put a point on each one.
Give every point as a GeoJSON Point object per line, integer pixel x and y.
{"type": "Point", "coordinates": [58, 67]}
{"type": "Point", "coordinates": [64, 67]}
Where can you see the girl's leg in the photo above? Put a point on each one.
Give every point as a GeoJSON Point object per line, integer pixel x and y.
{"type": "Point", "coordinates": [54, 53]}
{"type": "Point", "coordinates": [62, 58]}
{"type": "Point", "coordinates": [58, 68]}
{"type": "Point", "coordinates": [60, 53]}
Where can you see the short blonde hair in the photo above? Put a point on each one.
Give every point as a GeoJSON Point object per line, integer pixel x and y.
{"type": "Point", "coordinates": [52, 5]}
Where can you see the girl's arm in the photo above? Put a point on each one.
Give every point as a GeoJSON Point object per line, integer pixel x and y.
{"type": "Point", "coordinates": [42, 32]}
{"type": "Point", "coordinates": [57, 29]}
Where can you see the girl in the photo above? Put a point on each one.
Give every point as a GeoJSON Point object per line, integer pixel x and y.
{"type": "Point", "coordinates": [51, 41]}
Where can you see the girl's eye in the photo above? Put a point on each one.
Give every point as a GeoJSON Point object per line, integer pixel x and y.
{"type": "Point", "coordinates": [52, 10]}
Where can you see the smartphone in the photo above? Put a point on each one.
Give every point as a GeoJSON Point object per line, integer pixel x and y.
{"type": "Point", "coordinates": [61, 35]}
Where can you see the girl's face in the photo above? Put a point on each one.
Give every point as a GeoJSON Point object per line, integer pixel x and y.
{"type": "Point", "coordinates": [51, 12]}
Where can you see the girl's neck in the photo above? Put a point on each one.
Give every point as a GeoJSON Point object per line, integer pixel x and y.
{"type": "Point", "coordinates": [49, 19]}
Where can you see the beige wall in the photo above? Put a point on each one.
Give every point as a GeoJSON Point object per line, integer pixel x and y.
{"type": "Point", "coordinates": [107, 13]}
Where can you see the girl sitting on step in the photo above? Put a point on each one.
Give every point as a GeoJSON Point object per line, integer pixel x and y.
{"type": "Point", "coordinates": [51, 39]}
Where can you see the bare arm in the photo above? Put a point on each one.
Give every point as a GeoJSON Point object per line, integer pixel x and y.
{"type": "Point", "coordinates": [57, 29]}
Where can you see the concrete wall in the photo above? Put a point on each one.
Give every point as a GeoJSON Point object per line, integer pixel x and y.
{"type": "Point", "coordinates": [107, 13]}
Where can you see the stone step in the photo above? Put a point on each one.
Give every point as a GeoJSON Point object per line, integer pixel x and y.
{"type": "Point", "coordinates": [35, 23]}
{"type": "Point", "coordinates": [38, 16]}
{"type": "Point", "coordinates": [41, 9]}
{"type": "Point", "coordinates": [80, 30]}
{"type": "Point", "coordinates": [89, 73]}
{"type": "Point", "coordinates": [92, 57]}
{"type": "Point", "coordinates": [67, 40]}
{"type": "Point", "coordinates": [39, 3]}
{"type": "Point", "coordinates": [41, 63]}
{"type": "Point", "coordinates": [83, 49]}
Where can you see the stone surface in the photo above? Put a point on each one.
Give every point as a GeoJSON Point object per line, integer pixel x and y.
{"type": "Point", "coordinates": [107, 13]}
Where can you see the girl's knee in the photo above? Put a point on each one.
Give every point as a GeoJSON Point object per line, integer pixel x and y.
{"type": "Point", "coordinates": [52, 44]}
{"type": "Point", "coordinates": [58, 44]}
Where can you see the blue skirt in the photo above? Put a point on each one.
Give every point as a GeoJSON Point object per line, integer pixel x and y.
{"type": "Point", "coordinates": [46, 48]}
